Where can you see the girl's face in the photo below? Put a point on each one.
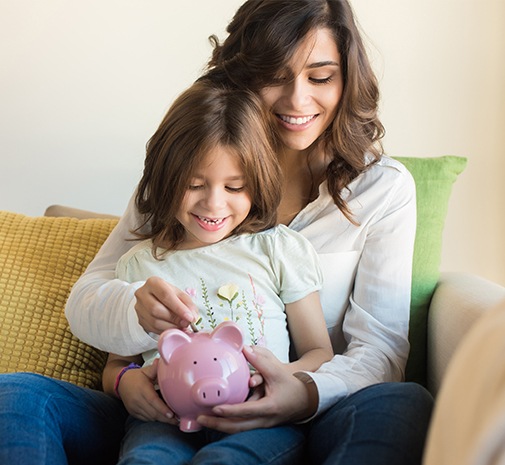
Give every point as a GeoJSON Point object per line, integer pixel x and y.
{"type": "Point", "coordinates": [217, 200]}
{"type": "Point", "coordinates": [306, 98]}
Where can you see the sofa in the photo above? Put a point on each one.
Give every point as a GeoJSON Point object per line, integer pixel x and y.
{"type": "Point", "coordinates": [41, 257]}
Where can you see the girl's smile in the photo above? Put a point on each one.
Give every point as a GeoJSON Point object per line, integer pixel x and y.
{"type": "Point", "coordinates": [210, 224]}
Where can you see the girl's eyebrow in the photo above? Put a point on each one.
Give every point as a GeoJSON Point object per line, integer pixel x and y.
{"type": "Point", "coordinates": [320, 64]}
{"type": "Point", "coordinates": [238, 177]}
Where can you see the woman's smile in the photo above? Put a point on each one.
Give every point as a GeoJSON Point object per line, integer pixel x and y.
{"type": "Point", "coordinates": [296, 123]}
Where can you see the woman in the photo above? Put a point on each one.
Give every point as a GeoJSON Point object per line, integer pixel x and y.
{"type": "Point", "coordinates": [211, 189]}
{"type": "Point", "coordinates": [306, 60]}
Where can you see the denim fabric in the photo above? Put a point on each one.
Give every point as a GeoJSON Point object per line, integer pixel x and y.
{"type": "Point", "coordinates": [383, 424]}
{"type": "Point", "coordinates": [155, 443]}
{"type": "Point", "coordinates": [46, 421]}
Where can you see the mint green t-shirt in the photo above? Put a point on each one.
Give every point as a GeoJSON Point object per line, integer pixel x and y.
{"type": "Point", "coordinates": [246, 278]}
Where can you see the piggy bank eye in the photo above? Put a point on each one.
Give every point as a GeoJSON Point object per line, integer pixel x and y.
{"type": "Point", "coordinates": [195, 362]}
{"type": "Point", "coordinates": [215, 359]}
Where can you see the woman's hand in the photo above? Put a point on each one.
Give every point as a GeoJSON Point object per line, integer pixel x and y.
{"type": "Point", "coordinates": [161, 306]}
{"type": "Point", "coordinates": [137, 392]}
{"type": "Point", "coordinates": [286, 398]}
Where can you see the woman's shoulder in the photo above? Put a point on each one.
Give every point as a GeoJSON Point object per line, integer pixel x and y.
{"type": "Point", "coordinates": [390, 173]}
{"type": "Point", "coordinates": [395, 168]}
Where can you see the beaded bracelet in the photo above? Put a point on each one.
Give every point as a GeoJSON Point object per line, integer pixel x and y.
{"type": "Point", "coordinates": [131, 366]}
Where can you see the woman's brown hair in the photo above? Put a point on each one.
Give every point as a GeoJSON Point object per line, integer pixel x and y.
{"type": "Point", "coordinates": [206, 116]}
{"type": "Point", "coordinates": [262, 38]}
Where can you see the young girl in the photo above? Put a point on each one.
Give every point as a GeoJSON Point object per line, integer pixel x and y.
{"type": "Point", "coordinates": [210, 189]}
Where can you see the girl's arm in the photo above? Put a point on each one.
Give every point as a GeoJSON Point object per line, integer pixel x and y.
{"type": "Point", "coordinates": [308, 333]}
{"type": "Point", "coordinates": [116, 363]}
{"type": "Point", "coordinates": [136, 388]}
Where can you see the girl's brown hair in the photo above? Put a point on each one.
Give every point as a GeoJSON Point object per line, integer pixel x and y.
{"type": "Point", "coordinates": [203, 117]}
{"type": "Point", "coordinates": [262, 38]}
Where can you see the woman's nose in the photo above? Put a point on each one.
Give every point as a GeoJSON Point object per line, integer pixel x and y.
{"type": "Point", "coordinates": [297, 94]}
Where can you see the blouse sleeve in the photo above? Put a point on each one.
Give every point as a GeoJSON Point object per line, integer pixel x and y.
{"type": "Point", "coordinates": [100, 308]}
{"type": "Point", "coordinates": [376, 322]}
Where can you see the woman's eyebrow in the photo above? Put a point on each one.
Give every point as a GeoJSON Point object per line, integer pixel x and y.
{"type": "Point", "coordinates": [320, 64]}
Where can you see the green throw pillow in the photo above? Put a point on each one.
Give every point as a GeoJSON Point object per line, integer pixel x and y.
{"type": "Point", "coordinates": [434, 178]}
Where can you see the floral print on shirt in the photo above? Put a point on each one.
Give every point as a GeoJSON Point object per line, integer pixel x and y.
{"type": "Point", "coordinates": [231, 303]}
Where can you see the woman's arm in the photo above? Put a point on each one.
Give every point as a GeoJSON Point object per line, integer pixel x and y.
{"type": "Point", "coordinates": [116, 316]}
{"type": "Point", "coordinates": [376, 320]}
{"type": "Point", "coordinates": [308, 332]}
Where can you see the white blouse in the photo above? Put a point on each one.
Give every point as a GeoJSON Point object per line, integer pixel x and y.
{"type": "Point", "coordinates": [367, 271]}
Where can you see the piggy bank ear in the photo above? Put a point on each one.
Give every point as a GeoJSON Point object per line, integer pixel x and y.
{"type": "Point", "coordinates": [229, 332]}
{"type": "Point", "coordinates": [170, 340]}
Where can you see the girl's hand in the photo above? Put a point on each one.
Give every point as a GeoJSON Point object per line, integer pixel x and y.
{"type": "Point", "coordinates": [137, 392]}
{"type": "Point", "coordinates": [286, 398]}
{"type": "Point", "coordinates": [161, 306]}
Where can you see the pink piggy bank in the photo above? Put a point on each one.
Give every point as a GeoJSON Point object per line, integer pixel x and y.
{"type": "Point", "coordinates": [200, 370]}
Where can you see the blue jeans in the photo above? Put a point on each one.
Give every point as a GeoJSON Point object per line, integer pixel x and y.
{"type": "Point", "coordinates": [381, 424]}
{"type": "Point", "coordinates": [46, 421]}
{"type": "Point", "coordinates": [155, 443]}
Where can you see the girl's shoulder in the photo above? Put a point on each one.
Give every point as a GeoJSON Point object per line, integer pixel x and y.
{"type": "Point", "coordinates": [142, 248]}
{"type": "Point", "coordinates": [284, 240]}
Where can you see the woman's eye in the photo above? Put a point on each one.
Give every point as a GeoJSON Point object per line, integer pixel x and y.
{"type": "Point", "coordinates": [325, 80]}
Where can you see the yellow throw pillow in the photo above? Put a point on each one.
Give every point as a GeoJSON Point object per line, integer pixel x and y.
{"type": "Point", "coordinates": [40, 260]}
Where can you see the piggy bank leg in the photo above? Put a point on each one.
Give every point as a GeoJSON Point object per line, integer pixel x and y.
{"type": "Point", "coordinates": [189, 425]}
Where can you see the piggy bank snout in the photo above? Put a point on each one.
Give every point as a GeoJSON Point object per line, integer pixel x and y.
{"type": "Point", "coordinates": [208, 392]}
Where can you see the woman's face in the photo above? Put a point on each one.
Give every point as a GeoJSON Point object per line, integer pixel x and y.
{"type": "Point", "coordinates": [306, 97]}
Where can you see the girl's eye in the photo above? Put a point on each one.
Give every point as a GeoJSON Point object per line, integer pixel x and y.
{"type": "Point", "coordinates": [325, 80]}
{"type": "Point", "coordinates": [235, 189]}
{"type": "Point", "coordinates": [195, 187]}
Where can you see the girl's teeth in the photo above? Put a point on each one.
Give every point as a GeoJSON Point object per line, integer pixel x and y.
{"type": "Point", "coordinates": [211, 221]}
{"type": "Point", "coordinates": [293, 120]}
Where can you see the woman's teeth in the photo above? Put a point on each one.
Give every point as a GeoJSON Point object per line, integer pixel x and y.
{"type": "Point", "coordinates": [299, 120]}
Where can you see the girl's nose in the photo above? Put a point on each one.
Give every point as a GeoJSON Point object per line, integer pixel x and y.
{"type": "Point", "coordinates": [215, 199]}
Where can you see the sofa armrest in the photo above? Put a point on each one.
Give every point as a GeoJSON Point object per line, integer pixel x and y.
{"type": "Point", "coordinates": [71, 212]}
{"type": "Point", "coordinates": [459, 299]}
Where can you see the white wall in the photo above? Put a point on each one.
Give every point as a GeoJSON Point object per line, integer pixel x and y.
{"type": "Point", "coordinates": [83, 85]}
